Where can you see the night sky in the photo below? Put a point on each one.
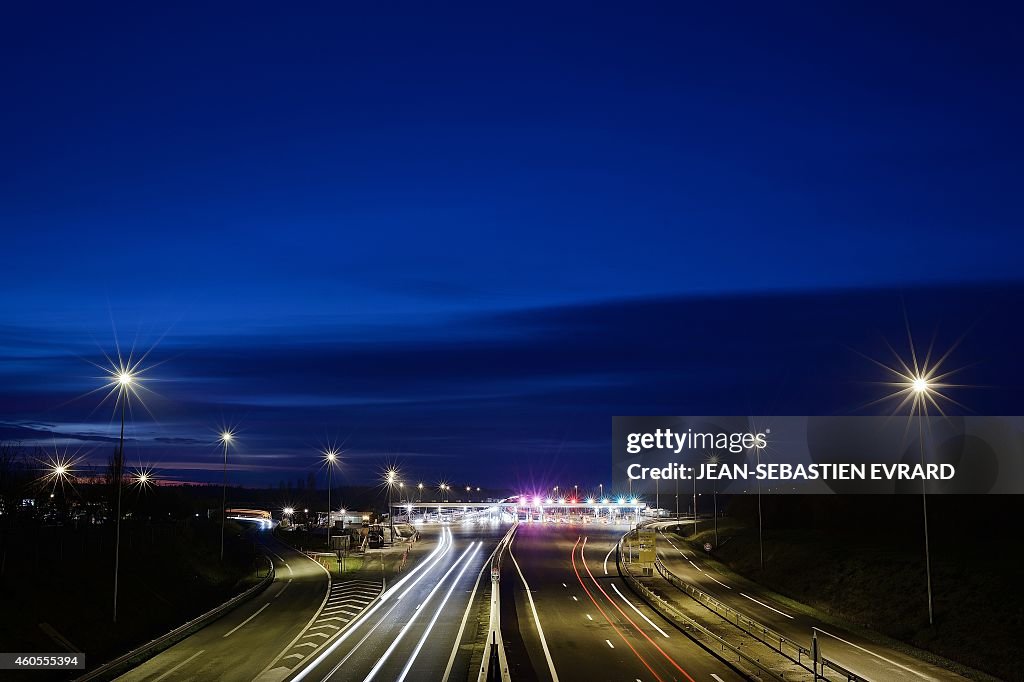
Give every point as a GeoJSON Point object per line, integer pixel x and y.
{"type": "Point", "coordinates": [460, 239]}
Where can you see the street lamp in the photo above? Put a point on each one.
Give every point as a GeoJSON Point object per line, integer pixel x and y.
{"type": "Point", "coordinates": [226, 438]}
{"type": "Point", "coordinates": [123, 380]}
{"type": "Point", "coordinates": [330, 457]}
{"type": "Point", "coordinates": [713, 459]}
{"type": "Point", "coordinates": [760, 524]}
{"type": "Point", "coordinates": [919, 383]}
{"type": "Point", "coordinates": [420, 486]}
{"type": "Point", "coordinates": [390, 478]}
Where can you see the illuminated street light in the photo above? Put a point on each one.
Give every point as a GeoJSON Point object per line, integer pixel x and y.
{"type": "Point", "coordinates": [227, 437]}
{"type": "Point", "coordinates": [123, 380]}
{"type": "Point", "coordinates": [330, 458]}
{"type": "Point", "coordinates": [920, 385]}
{"type": "Point", "coordinates": [288, 511]}
{"type": "Point", "coordinates": [390, 478]}
{"type": "Point", "coordinates": [420, 486]}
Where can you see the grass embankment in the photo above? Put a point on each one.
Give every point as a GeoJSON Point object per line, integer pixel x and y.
{"type": "Point", "coordinates": [876, 583]}
{"type": "Point", "coordinates": [61, 580]}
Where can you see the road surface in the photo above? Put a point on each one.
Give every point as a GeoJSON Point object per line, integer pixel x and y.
{"type": "Point", "coordinates": [865, 658]}
{"type": "Point", "coordinates": [240, 644]}
{"type": "Point", "coordinates": [591, 625]}
{"type": "Point", "coordinates": [426, 625]}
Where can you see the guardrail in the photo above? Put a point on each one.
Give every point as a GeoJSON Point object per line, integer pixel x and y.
{"type": "Point", "coordinates": [706, 638]}
{"type": "Point", "coordinates": [494, 665]}
{"type": "Point", "coordinates": [789, 648]}
{"type": "Point", "coordinates": [140, 654]}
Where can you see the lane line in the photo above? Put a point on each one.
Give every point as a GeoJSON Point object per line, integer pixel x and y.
{"type": "Point", "coordinates": [359, 621]}
{"type": "Point", "coordinates": [630, 620]}
{"type": "Point", "coordinates": [610, 643]}
{"type": "Point", "coordinates": [868, 651]}
{"type": "Point", "coordinates": [437, 612]}
{"type": "Point", "coordinates": [602, 612]}
{"type": "Point", "coordinates": [641, 613]}
{"type": "Point", "coordinates": [606, 557]}
{"type": "Point", "coordinates": [717, 678]}
{"type": "Point", "coordinates": [717, 581]}
{"type": "Point", "coordinates": [465, 615]}
{"type": "Point", "coordinates": [536, 618]}
{"type": "Point", "coordinates": [767, 607]}
{"type": "Point", "coordinates": [175, 668]}
{"type": "Point", "coordinates": [409, 623]}
{"type": "Point", "coordinates": [243, 623]}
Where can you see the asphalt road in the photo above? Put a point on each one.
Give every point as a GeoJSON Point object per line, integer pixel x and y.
{"type": "Point", "coordinates": [425, 625]}
{"type": "Point", "coordinates": [865, 658]}
{"type": "Point", "coordinates": [240, 644]}
{"type": "Point", "coordinates": [592, 626]}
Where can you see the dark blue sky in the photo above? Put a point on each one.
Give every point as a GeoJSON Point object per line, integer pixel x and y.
{"type": "Point", "coordinates": [464, 237]}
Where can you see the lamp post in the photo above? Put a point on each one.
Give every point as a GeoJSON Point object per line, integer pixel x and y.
{"type": "Point", "coordinates": [713, 459]}
{"type": "Point", "coordinates": [226, 437]}
{"type": "Point", "coordinates": [330, 457]}
{"type": "Point", "coordinates": [391, 477]}
{"type": "Point", "coordinates": [760, 525]}
{"type": "Point", "coordinates": [922, 389]}
{"type": "Point", "coordinates": [123, 380]}
{"type": "Point", "coordinates": [420, 486]}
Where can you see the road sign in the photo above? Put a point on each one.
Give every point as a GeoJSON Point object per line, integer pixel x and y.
{"type": "Point", "coordinates": [707, 546]}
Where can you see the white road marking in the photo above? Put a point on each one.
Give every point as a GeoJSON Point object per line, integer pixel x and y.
{"type": "Point", "coordinates": [649, 622]}
{"type": "Point", "coordinates": [717, 581]}
{"type": "Point", "coordinates": [887, 660]}
{"type": "Point", "coordinates": [472, 596]}
{"type": "Point", "coordinates": [606, 557]}
{"type": "Point", "coordinates": [437, 612]}
{"type": "Point", "coordinates": [240, 625]}
{"type": "Point", "coordinates": [588, 617]}
{"type": "Point", "coordinates": [179, 665]}
{"type": "Point", "coordinates": [610, 643]}
{"type": "Point", "coordinates": [536, 618]}
{"type": "Point", "coordinates": [395, 641]}
{"type": "Point", "coordinates": [717, 678]}
{"type": "Point", "coordinates": [695, 566]}
{"type": "Point", "coordinates": [766, 606]}
{"type": "Point", "coordinates": [574, 598]}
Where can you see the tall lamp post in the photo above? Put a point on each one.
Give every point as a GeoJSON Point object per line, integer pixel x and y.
{"type": "Point", "coordinates": [226, 438]}
{"type": "Point", "coordinates": [420, 486]}
{"type": "Point", "coordinates": [713, 459]}
{"type": "Point", "coordinates": [760, 525]}
{"type": "Point", "coordinates": [330, 457]}
{"type": "Point", "coordinates": [391, 477]}
{"type": "Point", "coordinates": [920, 383]}
{"type": "Point", "coordinates": [123, 385]}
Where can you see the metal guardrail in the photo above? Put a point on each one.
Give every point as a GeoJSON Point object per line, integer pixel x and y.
{"type": "Point", "coordinates": [143, 653]}
{"type": "Point", "coordinates": [787, 647]}
{"type": "Point", "coordinates": [692, 628]}
{"type": "Point", "coordinates": [494, 665]}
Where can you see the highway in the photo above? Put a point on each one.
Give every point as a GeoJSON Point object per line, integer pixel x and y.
{"type": "Point", "coordinates": [566, 615]}
{"type": "Point", "coordinates": [239, 645]}
{"type": "Point", "coordinates": [865, 658]}
{"type": "Point", "coordinates": [426, 624]}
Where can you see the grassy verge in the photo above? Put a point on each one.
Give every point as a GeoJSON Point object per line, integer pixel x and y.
{"type": "Point", "coordinates": [864, 581]}
{"type": "Point", "coordinates": [61, 581]}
